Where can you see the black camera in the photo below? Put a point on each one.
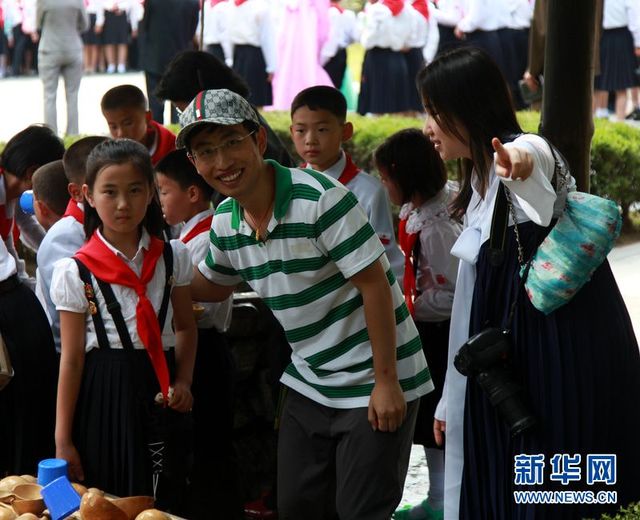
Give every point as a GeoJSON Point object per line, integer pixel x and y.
{"type": "Point", "coordinates": [484, 358]}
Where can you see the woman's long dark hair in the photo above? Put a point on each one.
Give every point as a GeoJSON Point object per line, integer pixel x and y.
{"type": "Point", "coordinates": [464, 88]}
{"type": "Point", "coordinates": [122, 151]}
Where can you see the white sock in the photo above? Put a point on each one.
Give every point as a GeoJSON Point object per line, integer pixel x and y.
{"type": "Point", "coordinates": [435, 463]}
{"type": "Point", "coordinates": [111, 68]}
{"type": "Point", "coordinates": [121, 68]}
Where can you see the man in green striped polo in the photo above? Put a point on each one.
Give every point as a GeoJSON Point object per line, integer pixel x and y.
{"type": "Point", "coordinates": [302, 242]}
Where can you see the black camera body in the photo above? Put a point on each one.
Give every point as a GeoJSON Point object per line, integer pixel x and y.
{"type": "Point", "coordinates": [484, 358]}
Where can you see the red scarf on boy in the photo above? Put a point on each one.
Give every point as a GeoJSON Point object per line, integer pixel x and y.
{"type": "Point", "coordinates": [407, 242]}
{"type": "Point", "coordinates": [74, 211]}
{"type": "Point", "coordinates": [104, 264]}
{"type": "Point", "coordinates": [349, 171]}
{"type": "Point", "coordinates": [200, 227]}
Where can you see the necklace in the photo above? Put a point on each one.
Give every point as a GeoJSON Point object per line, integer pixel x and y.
{"type": "Point", "coordinates": [258, 224]}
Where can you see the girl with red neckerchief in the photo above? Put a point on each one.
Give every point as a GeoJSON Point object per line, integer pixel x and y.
{"type": "Point", "coordinates": [126, 320]}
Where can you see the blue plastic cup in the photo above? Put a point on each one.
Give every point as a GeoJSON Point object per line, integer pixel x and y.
{"type": "Point", "coordinates": [26, 202]}
{"type": "Point", "coordinates": [51, 469]}
{"type": "Point", "coordinates": [60, 497]}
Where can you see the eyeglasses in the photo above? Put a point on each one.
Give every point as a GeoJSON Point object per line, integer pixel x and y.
{"type": "Point", "coordinates": [207, 155]}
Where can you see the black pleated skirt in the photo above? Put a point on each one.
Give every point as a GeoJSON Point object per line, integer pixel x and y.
{"type": "Point", "coordinates": [617, 60]}
{"type": "Point", "coordinates": [448, 40]}
{"type": "Point", "coordinates": [216, 50]}
{"type": "Point", "coordinates": [385, 86]}
{"type": "Point", "coordinates": [415, 63]}
{"type": "Point", "coordinates": [28, 402]}
{"type": "Point", "coordinates": [435, 345]}
{"type": "Point", "coordinates": [490, 42]}
{"type": "Point", "coordinates": [117, 420]}
{"type": "Point", "coordinates": [580, 371]}
{"type": "Point", "coordinates": [248, 61]}
{"type": "Point", "coordinates": [90, 37]}
{"type": "Point", "coordinates": [336, 67]}
{"type": "Point", "coordinates": [116, 29]}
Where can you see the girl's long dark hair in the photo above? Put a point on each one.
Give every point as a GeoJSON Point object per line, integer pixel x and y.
{"type": "Point", "coordinates": [122, 151]}
{"type": "Point", "coordinates": [464, 89]}
{"type": "Point", "coordinates": [413, 163]}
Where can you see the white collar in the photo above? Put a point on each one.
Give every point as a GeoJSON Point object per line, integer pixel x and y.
{"type": "Point", "coordinates": [338, 167]}
{"type": "Point", "coordinates": [143, 245]}
{"type": "Point", "coordinates": [193, 221]}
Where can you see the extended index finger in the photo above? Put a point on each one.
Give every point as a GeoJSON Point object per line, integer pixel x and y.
{"type": "Point", "coordinates": [501, 151]}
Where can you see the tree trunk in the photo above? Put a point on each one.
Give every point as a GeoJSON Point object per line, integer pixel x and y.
{"type": "Point", "coordinates": [567, 119]}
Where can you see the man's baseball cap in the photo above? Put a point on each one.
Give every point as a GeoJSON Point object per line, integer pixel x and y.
{"type": "Point", "coordinates": [219, 107]}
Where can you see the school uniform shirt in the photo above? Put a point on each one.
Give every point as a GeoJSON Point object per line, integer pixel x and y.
{"type": "Point", "coordinates": [251, 23]}
{"type": "Point", "coordinates": [62, 240]}
{"type": "Point", "coordinates": [318, 238]}
{"type": "Point", "coordinates": [340, 32]}
{"type": "Point", "coordinates": [521, 13]}
{"type": "Point", "coordinates": [381, 29]}
{"type": "Point", "coordinates": [622, 13]}
{"type": "Point", "coordinates": [164, 142]}
{"type": "Point", "coordinates": [436, 268]}
{"type": "Point", "coordinates": [424, 33]}
{"type": "Point", "coordinates": [67, 293]}
{"type": "Point", "coordinates": [374, 200]}
{"type": "Point", "coordinates": [216, 314]}
{"type": "Point", "coordinates": [447, 12]}
{"type": "Point", "coordinates": [216, 25]}
{"type": "Point", "coordinates": [534, 200]}
{"type": "Point", "coordinates": [483, 15]}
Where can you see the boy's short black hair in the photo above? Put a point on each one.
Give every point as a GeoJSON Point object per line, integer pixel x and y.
{"type": "Point", "coordinates": [321, 97]}
{"type": "Point", "coordinates": [30, 148]}
{"type": "Point", "coordinates": [193, 71]}
{"type": "Point", "coordinates": [177, 166]}
{"type": "Point", "coordinates": [75, 158]}
{"type": "Point", "coordinates": [124, 96]}
{"type": "Point", "coordinates": [50, 186]}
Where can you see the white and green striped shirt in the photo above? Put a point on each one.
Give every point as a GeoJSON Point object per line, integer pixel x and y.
{"type": "Point", "coordinates": [318, 237]}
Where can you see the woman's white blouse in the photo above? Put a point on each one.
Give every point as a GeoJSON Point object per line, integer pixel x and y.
{"type": "Point", "coordinates": [67, 293]}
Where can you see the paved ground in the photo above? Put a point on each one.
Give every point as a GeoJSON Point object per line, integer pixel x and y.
{"type": "Point", "coordinates": [21, 104]}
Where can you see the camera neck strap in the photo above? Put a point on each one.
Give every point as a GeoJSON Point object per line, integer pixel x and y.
{"type": "Point", "coordinates": [497, 239]}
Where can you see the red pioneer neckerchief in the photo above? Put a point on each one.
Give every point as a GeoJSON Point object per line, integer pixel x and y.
{"type": "Point", "coordinates": [200, 227]}
{"type": "Point", "coordinates": [349, 171]}
{"type": "Point", "coordinates": [394, 5]}
{"type": "Point", "coordinates": [73, 210]}
{"type": "Point", "coordinates": [407, 242]}
{"type": "Point", "coordinates": [107, 266]}
{"type": "Point", "coordinates": [422, 7]}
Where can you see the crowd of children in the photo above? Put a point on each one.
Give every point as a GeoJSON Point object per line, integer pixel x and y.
{"type": "Point", "coordinates": [136, 270]}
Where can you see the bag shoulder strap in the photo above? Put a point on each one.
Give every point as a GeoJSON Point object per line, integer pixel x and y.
{"type": "Point", "coordinates": [94, 309]}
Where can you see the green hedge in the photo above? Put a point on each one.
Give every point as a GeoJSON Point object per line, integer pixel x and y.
{"type": "Point", "coordinates": [615, 150]}
{"type": "Point", "coordinates": [631, 512]}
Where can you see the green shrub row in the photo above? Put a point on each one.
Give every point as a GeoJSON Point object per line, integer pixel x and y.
{"type": "Point", "coordinates": [615, 150]}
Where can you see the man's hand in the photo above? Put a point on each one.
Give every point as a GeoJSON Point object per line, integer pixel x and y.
{"type": "Point", "coordinates": [387, 407]}
{"type": "Point", "coordinates": [439, 429]}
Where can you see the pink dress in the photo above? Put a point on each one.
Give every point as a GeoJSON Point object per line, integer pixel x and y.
{"type": "Point", "coordinates": [304, 27]}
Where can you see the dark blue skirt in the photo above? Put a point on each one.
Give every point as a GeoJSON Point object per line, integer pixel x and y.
{"type": "Point", "coordinates": [385, 85]}
{"type": "Point", "coordinates": [617, 60]}
{"type": "Point", "coordinates": [248, 61]}
{"type": "Point", "coordinates": [415, 63]}
{"type": "Point", "coordinates": [580, 371]}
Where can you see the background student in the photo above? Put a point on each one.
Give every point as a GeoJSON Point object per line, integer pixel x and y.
{"type": "Point", "coordinates": [186, 199]}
